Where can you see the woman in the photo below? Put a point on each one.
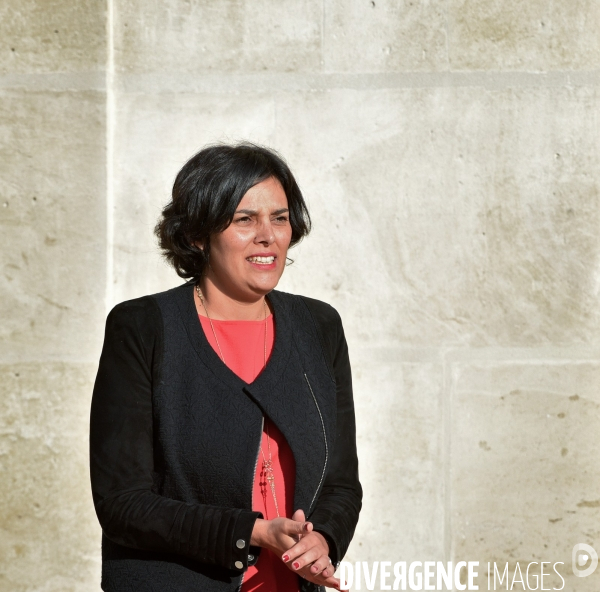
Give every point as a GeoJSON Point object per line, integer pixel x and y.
{"type": "Point", "coordinates": [222, 436]}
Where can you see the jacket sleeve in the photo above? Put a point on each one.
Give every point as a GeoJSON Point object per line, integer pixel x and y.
{"type": "Point", "coordinates": [339, 503]}
{"type": "Point", "coordinates": [121, 454]}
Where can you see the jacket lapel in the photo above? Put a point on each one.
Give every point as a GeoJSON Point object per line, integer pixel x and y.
{"type": "Point", "coordinates": [282, 390]}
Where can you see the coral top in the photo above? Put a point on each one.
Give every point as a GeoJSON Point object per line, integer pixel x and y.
{"type": "Point", "coordinates": [243, 347]}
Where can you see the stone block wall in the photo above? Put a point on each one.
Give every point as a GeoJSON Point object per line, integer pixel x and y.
{"type": "Point", "coordinates": [52, 287]}
{"type": "Point", "coordinates": [449, 151]}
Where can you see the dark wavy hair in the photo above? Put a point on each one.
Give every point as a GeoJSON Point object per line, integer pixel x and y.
{"type": "Point", "coordinates": [206, 194]}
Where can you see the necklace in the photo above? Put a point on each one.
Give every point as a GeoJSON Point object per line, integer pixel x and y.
{"type": "Point", "coordinates": [268, 470]}
{"type": "Point", "coordinates": [267, 464]}
{"type": "Point", "coordinates": [199, 292]}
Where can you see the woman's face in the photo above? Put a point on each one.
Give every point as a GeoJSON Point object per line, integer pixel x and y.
{"type": "Point", "coordinates": [248, 257]}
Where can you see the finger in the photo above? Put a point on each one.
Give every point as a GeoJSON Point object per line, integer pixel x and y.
{"type": "Point", "coordinates": [320, 565]}
{"type": "Point", "coordinates": [307, 558]}
{"type": "Point", "coordinates": [327, 575]}
{"type": "Point", "coordinates": [311, 543]}
{"type": "Point", "coordinates": [330, 581]}
{"type": "Point", "coordinates": [296, 551]}
{"type": "Point", "coordinates": [299, 516]}
{"type": "Point", "coordinates": [294, 527]}
{"type": "Point", "coordinates": [301, 546]}
{"type": "Point", "coordinates": [328, 571]}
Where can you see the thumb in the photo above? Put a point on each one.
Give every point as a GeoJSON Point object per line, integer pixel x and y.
{"type": "Point", "coordinates": [300, 526]}
{"type": "Point", "coordinates": [298, 515]}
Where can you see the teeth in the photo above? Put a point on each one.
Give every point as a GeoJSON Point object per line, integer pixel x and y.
{"type": "Point", "coordinates": [264, 260]}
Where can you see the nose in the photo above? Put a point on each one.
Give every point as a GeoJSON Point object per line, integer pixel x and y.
{"type": "Point", "coordinates": [264, 233]}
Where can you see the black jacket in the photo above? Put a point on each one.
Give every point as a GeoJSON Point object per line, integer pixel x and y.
{"type": "Point", "coordinates": [175, 434]}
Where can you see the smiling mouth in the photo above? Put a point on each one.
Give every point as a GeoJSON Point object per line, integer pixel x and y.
{"type": "Point", "coordinates": [261, 260]}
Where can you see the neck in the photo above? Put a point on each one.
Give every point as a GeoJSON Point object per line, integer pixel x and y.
{"type": "Point", "coordinates": [225, 307]}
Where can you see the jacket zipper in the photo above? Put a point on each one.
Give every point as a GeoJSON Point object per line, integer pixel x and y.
{"type": "Point", "coordinates": [325, 440]}
{"type": "Point", "coordinates": [262, 426]}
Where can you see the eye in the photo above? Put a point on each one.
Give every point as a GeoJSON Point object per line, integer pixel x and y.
{"type": "Point", "coordinates": [281, 219]}
{"type": "Point", "coordinates": [243, 219]}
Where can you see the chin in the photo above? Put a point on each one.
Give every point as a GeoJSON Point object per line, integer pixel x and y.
{"type": "Point", "coordinates": [264, 287]}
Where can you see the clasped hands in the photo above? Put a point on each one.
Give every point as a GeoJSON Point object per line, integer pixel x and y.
{"type": "Point", "coordinates": [303, 550]}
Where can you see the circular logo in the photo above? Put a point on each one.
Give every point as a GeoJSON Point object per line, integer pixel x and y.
{"type": "Point", "coordinates": [583, 553]}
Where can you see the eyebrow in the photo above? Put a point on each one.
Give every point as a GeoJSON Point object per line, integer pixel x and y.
{"type": "Point", "coordinates": [254, 212]}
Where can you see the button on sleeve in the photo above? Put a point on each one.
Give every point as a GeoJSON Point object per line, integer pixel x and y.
{"type": "Point", "coordinates": [242, 553]}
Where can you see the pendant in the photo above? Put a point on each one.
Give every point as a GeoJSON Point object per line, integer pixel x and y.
{"type": "Point", "coordinates": [268, 472]}
{"type": "Point", "coordinates": [270, 477]}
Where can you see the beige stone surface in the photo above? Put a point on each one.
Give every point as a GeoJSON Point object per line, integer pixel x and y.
{"type": "Point", "coordinates": [49, 535]}
{"type": "Point", "coordinates": [535, 35]}
{"type": "Point", "coordinates": [52, 221]}
{"type": "Point", "coordinates": [524, 464]}
{"type": "Point", "coordinates": [473, 211]}
{"type": "Point", "coordinates": [455, 200]}
{"type": "Point", "coordinates": [39, 36]}
{"type": "Point", "coordinates": [400, 443]}
{"type": "Point", "coordinates": [468, 215]}
{"type": "Point", "coordinates": [384, 36]}
{"type": "Point", "coordinates": [193, 37]}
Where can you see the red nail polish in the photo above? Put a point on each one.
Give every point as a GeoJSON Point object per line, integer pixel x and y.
{"type": "Point", "coordinates": [286, 558]}
{"type": "Point", "coordinates": [296, 565]}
